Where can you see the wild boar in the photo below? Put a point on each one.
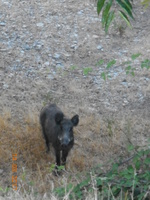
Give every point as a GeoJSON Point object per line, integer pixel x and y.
{"type": "Point", "coordinates": [58, 130]}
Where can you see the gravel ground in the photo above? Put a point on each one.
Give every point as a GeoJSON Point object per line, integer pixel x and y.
{"type": "Point", "coordinates": [45, 50]}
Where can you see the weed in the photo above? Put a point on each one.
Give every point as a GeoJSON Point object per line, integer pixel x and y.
{"type": "Point", "coordinates": [73, 67]}
{"type": "Point", "coordinates": [145, 64]}
{"type": "Point", "coordinates": [47, 98]}
{"type": "Point", "coordinates": [129, 182]}
{"type": "Point", "coordinates": [100, 62]}
{"type": "Point", "coordinates": [99, 140]}
{"type": "Point", "coordinates": [87, 70]}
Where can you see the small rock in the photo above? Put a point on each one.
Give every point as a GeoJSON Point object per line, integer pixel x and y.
{"type": "Point", "coordinates": [75, 35]}
{"type": "Point", "coordinates": [99, 47]}
{"type": "Point", "coordinates": [47, 63]}
{"type": "Point", "coordinates": [73, 46]}
{"type": "Point", "coordinates": [37, 45]}
{"type": "Point", "coordinates": [80, 12]}
{"type": "Point", "coordinates": [125, 102]}
{"type": "Point", "coordinates": [75, 42]}
{"type": "Point", "coordinates": [1, 171]}
{"type": "Point", "coordinates": [58, 26]}
{"type": "Point", "coordinates": [5, 86]}
{"type": "Point", "coordinates": [56, 56]}
{"type": "Point", "coordinates": [40, 24]}
{"type": "Point", "coordinates": [95, 36]}
{"type": "Point", "coordinates": [60, 65]}
{"type": "Point", "coordinates": [2, 23]}
{"type": "Point", "coordinates": [26, 47]}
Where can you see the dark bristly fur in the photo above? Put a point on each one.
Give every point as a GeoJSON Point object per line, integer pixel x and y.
{"type": "Point", "coordinates": [58, 130]}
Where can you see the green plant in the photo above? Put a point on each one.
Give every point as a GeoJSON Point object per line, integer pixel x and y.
{"type": "Point", "coordinates": [60, 168]}
{"type": "Point", "coordinates": [128, 66]}
{"type": "Point", "coordinates": [100, 62]}
{"type": "Point", "coordinates": [110, 8]}
{"type": "Point", "coordinates": [23, 176]}
{"type": "Point", "coordinates": [146, 64]}
{"type": "Point", "coordinates": [105, 75]}
{"type": "Point", "coordinates": [52, 167]}
{"type": "Point", "coordinates": [130, 70]}
{"type": "Point", "coordinates": [146, 3]}
{"type": "Point", "coordinates": [47, 98]}
{"type": "Point", "coordinates": [73, 67]}
{"type": "Point", "coordinates": [134, 56]}
{"type": "Point", "coordinates": [87, 70]}
{"type": "Point", "coordinates": [129, 179]}
{"type": "Point", "coordinates": [5, 190]}
{"type": "Point", "coordinates": [109, 126]}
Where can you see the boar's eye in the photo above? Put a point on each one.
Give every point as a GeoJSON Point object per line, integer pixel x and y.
{"type": "Point", "coordinates": [61, 127]}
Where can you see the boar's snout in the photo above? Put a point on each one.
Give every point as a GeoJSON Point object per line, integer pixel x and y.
{"type": "Point", "coordinates": [65, 142]}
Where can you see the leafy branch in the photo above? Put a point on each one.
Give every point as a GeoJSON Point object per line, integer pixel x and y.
{"type": "Point", "coordinates": [109, 8]}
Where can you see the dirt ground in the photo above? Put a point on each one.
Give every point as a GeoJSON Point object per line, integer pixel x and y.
{"type": "Point", "coordinates": [44, 48]}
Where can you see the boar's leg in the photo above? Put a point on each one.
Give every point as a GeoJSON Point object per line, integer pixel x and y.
{"type": "Point", "coordinates": [57, 153]}
{"type": "Point", "coordinates": [46, 140]}
{"type": "Point", "coordinates": [64, 156]}
{"type": "Point", "coordinates": [42, 120]}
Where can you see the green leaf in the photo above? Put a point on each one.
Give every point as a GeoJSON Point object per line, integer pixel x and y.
{"type": "Point", "coordinates": [100, 62]}
{"type": "Point", "coordinates": [87, 70]}
{"type": "Point", "coordinates": [125, 8]}
{"type": "Point", "coordinates": [103, 75]}
{"type": "Point", "coordinates": [128, 68]}
{"type": "Point", "coordinates": [73, 67]}
{"type": "Point", "coordinates": [31, 183]}
{"type": "Point", "coordinates": [69, 187]}
{"type": "Point", "coordinates": [137, 165]}
{"type": "Point", "coordinates": [130, 169]}
{"type": "Point", "coordinates": [111, 63]}
{"type": "Point", "coordinates": [61, 167]}
{"type": "Point", "coordinates": [130, 147]}
{"type": "Point", "coordinates": [127, 2]}
{"type": "Point", "coordinates": [84, 183]}
{"type": "Point", "coordinates": [52, 167]}
{"type": "Point", "coordinates": [110, 17]}
{"type": "Point", "coordinates": [100, 5]}
{"type": "Point", "coordinates": [99, 182]}
{"type": "Point", "coordinates": [146, 3]}
{"type": "Point", "coordinates": [146, 64]}
{"type": "Point", "coordinates": [147, 161]}
{"type": "Point", "coordinates": [105, 12]}
{"type": "Point", "coordinates": [132, 73]}
{"type": "Point", "coordinates": [125, 18]}
{"type": "Point", "coordinates": [128, 183]}
{"type": "Point", "coordinates": [134, 56]}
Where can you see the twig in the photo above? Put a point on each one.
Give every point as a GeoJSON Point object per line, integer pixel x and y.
{"type": "Point", "coordinates": [127, 160]}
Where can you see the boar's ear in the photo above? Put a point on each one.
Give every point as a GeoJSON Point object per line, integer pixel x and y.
{"type": "Point", "coordinates": [75, 120]}
{"type": "Point", "coordinates": [59, 117]}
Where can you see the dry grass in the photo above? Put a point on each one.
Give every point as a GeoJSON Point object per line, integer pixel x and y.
{"type": "Point", "coordinates": [96, 142]}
